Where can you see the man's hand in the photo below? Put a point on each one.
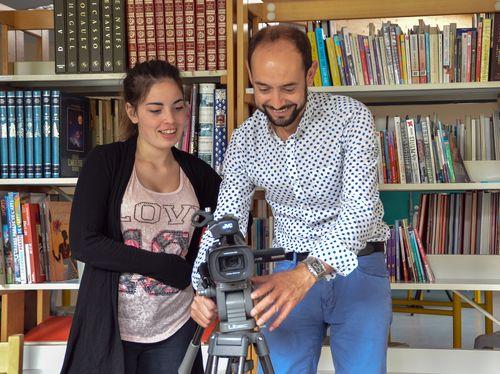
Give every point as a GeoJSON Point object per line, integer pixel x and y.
{"type": "Point", "coordinates": [280, 293]}
{"type": "Point", "coordinates": [203, 311]}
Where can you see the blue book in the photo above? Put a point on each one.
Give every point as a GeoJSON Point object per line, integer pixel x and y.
{"type": "Point", "coordinates": [37, 133]}
{"type": "Point", "coordinates": [21, 159]}
{"type": "Point", "coordinates": [428, 56]}
{"type": "Point", "coordinates": [4, 143]}
{"type": "Point", "coordinates": [46, 139]}
{"type": "Point", "coordinates": [324, 67]}
{"type": "Point", "coordinates": [220, 129]}
{"type": "Point", "coordinates": [11, 127]}
{"type": "Point", "coordinates": [11, 221]}
{"type": "Point", "coordinates": [55, 133]}
{"type": "Point", "coordinates": [28, 123]}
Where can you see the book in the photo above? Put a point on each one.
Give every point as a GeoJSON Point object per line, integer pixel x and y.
{"type": "Point", "coordinates": [61, 265]}
{"type": "Point", "coordinates": [74, 141]}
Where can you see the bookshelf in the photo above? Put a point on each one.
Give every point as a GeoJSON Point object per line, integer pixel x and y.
{"type": "Point", "coordinates": [88, 84]}
{"type": "Point", "coordinates": [453, 273]}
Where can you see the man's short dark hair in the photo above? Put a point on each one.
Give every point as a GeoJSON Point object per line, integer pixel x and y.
{"type": "Point", "coordinates": [272, 34]}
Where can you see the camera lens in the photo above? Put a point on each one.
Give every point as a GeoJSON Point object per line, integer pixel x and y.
{"type": "Point", "coordinates": [231, 263]}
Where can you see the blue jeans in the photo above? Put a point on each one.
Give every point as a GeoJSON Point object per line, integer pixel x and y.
{"type": "Point", "coordinates": [357, 308]}
{"type": "Point", "coordinates": [163, 357]}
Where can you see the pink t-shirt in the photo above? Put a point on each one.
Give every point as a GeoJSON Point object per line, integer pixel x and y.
{"type": "Point", "coordinates": [148, 310]}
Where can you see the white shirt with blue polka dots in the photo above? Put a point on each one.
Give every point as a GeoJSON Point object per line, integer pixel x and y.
{"type": "Point", "coordinates": [321, 183]}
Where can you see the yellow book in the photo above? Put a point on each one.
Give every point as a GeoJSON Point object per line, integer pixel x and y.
{"type": "Point", "coordinates": [485, 50]}
{"type": "Point", "coordinates": [332, 61]}
{"type": "Point", "coordinates": [404, 73]}
{"type": "Point", "coordinates": [314, 53]}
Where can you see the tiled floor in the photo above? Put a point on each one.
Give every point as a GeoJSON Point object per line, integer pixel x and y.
{"type": "Point", "coordinates": [430, 331]}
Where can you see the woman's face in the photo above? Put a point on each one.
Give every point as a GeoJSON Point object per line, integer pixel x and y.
{"type": "Point", "coordinates": [161, 117]}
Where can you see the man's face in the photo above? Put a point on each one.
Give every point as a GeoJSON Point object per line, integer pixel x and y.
{"type": "Point", "coordinates": [280, 83]}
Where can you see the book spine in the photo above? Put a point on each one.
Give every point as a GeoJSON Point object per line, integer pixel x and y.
{"type": "Point", "coordinates": [140, 29]}
{"type": "Point", "coordinates": [21, 155]}
{"type": "Point", "coordinates": [95, 35]}
{"type": "Point", "coordinates": [485, 52]}
{"type": "Point", "coordinates": [23, 265]}
{"type": "Point", "coordinates": [46, 139]}
{"type": "Point", "coordinates": [28, 121]}
{"type": "Point", "coordinates": [28, 243]}
{"type": "Point", "coordinates": [11, 221]}
{"type": "Point", "coordinates": [107, 36]}
{"type": "Point", "coordinates": [221, 35]}
{"type": "Point", "coordinates": [421, 152]}
{"type": "Point", "coordinates": [206, 122]}
{"type": "Point", "coordinates": [119, 51]}
{"type": "Point", "coordinates": [220, 130]}
{"type": "Point", "coordinates": [55, 133]}
{"type": "Point", "coordinates": [332, 62]}
{"type": "Point", "coordinates": [429, 154]}
{"type": "Point", "coordinates": [4, 138]}
{"type": "Point", "coordinates": [340, 61]}
{"type": "Point", "coordinates": [71, 37]}
{"type": "Point", "coordinates": [149, 20]}
{"type": "Point", "coordinates": [189, 33]}
{"type": "Point", "coordinates": [170, 31]}
{"type": "Point", "coordinates": [161, 49]}
{"type": "Point", "coordinates": [323, 60]}
{"type": "Point", "coordinates": [201, 48]}
{"type": "Point", "coordinates": [37, 133]}
{"type": "Point", "coordinates": [180, 47]}
{"type": "Point", "coordinates": [131, 34]}
{"type": "Point", "coordinates": [60, 36]}
{"type": "Point", "coordinates": [7, 245]}
{"type": "Point", "coordinates": [410, 127]}
{"type": "Point", "coordinates": [479, 51]}
{"type": "Point", "coordinates": [314, 54]}
{"type": "Point", "coordinates": [399, 146]}
{"type": "Point", "coordinates": [193, 141]}
{"type": "Point", "coordinates": [415, 70]}
{"type": "Point", "coordinates": [83, 37]}
{"type": "Point", "coordinates": [211, 29]}
{"type": "Point", "coordinates": [388, 53]}
{"type": "Point", "coordinates": [11, 123]}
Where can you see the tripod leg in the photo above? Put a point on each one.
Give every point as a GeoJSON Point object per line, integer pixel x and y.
{"type": "Point", "coordinates": [210, 362]}
{"type": "Point", "coordinates": [241, 364]}
{"type": "Point", "coordinates": [215, 365]}
{"type": "Point", "coordinates": [267, 366]}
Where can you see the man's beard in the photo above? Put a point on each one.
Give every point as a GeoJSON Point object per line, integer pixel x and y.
{"type": "Point", "coordinates": [283, 122]}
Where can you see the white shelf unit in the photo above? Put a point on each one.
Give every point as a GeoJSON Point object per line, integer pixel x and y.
{"type": "Point", "coordinates": [60, 182]}
{"type": "Point", "coordinates": [439, 186]}
{"type": "Point", "coordinates": [67, 285]}
{"type": "Point", "coordinates": [439, 92]}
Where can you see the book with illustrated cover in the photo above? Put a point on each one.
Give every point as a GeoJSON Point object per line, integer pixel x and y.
{"type": "Point", "coordinates": [61, 265]}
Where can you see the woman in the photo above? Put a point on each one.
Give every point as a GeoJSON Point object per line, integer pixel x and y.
{"type": "Point", "coordinates": [130, 225]}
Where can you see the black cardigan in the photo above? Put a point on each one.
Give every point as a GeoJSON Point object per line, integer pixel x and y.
{"type": "Point", "coordinates": [94, 344]}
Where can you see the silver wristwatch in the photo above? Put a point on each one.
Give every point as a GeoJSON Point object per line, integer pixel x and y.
{"type": "Point", "coordinates": [317, 269]}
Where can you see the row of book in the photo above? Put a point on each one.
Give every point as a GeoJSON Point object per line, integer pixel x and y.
{"type": "Point", "coordinates": [205, 134]}
{"type": "Point", "coordinates": [89, 36]}
{"type": "Point", "coordinates": [418, 150]}
{"type": "Point", "coordinates": [34, 240]}
{"type": "Point", "coordinates": [190, 34]}
{"type": "Point", "coordinates": [460, 223]}
{"type": "Point", "coordinates": [478, 137]}
{"type": "Point", "coordinates": [406, 256]}
{"type": "Point", "coordinates": [423, 54]}
{"type": "Point", "coordinates": [42, 134]}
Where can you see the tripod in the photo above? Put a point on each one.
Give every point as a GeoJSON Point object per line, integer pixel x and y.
{"type": "Point", "coordinates": [226, 278]}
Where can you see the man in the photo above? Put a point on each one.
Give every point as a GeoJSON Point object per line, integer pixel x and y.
{"type": "Point", "coordinates": [315, 155]}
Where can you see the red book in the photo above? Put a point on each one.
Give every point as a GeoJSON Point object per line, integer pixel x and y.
{"type": "Point", "coordinates": [51, 330]}
{"type": "Point", "coordinates": [170, 31]}
{"type": "Point", "coordinates": [428, 270]}
{"type": "Point", "coordinates": [32, 240]}
{"type": "Point", "coordinates": [221, 35]}
{"type": "Point", "coordinates": [140, 28]}
{"type": "Point", "coordinates": [189, 32]}
{"type": "Point", "coordinates": [131, 34]}
{"type": "Point", "coordinates": [149, 18]}
{"type": "Point", "coordinates": [180, 51]}
{"type": "Point", "coordinates": [211, 38]}
{"type": "Point", "coordinates": [201, 49]}
{"type": "Point", "coordinates": [362, 56]}
{"type": "Point", "coordinates": [159, 16]}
